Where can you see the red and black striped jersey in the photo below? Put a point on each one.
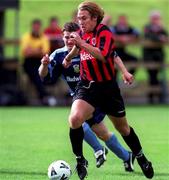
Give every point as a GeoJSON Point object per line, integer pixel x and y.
{"type": "Point", "coordinates": [92, 69]}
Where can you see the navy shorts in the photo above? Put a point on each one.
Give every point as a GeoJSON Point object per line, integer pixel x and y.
{"type": "Point", "coordinates": [103, 95]}
{"type": "Point", "coordinates": [98, 116]}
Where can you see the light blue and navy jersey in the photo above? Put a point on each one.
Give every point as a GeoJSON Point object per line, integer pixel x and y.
{"type": "Point", "coordinates": [71, 75]}
{"type": "Point", "coordinates": [56, 69]}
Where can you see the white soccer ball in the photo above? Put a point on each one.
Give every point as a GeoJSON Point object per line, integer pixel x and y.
{"type": "Point", "coordinates": [59, 170]}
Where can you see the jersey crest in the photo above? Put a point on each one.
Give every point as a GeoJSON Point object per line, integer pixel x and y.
{"type": "Point", "coordinates": [76, 68]}
{"type": "Point", "coordinates": [94, 41]}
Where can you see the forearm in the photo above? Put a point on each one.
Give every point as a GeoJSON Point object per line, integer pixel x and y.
{"type": "Point", "coordinates": [120, 64]}
{"type": "Point", "coordinates": [43, 70]}
{"type": "Point", "coordinates": [94, 51]}
{"type": "Point", "coordinates": [127, 77]}
{"type": "Point", "coordinates": [72, 53]}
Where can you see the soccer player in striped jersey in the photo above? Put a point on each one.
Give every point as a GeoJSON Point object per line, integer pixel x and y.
{"type": "Point", "coordinates": [98, 87]}
{"type": "Point", "coordinates": [51, 69]}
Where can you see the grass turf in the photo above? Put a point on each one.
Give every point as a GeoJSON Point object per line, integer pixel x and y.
{"type": "Point", "coordinates": [31, 138]}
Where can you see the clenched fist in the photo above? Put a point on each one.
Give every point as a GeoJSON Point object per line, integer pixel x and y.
{"type": "Point", "coordinates": [45, 60]}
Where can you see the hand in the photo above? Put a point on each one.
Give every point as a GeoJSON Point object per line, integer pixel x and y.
{"type": "Point", "coordinates": [75, 38]}
{"type": "Point", "coordinates": [66, 63]}
{"type": "Point", "coordinates": [163, 38]}
{"type": "Point", "coordinates": [45, 60]}
{"type": "Point", "coordinates": [127, 78]}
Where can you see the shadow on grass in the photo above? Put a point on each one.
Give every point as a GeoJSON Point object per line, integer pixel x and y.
{"type": "Point", "coordinates": [156, 174]}
{"type": "Point", "coordinates": [22, 173]}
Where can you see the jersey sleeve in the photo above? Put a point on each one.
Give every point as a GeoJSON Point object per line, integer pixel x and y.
{"type": "Point", "coordinates": [105, 42]}
{"type": "Point", "coordinates": [54, 70]}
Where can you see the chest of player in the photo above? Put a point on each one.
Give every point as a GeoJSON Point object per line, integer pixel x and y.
{"type": "Point", "coordinates": [154, 29]}
{"type": "Point", "coordinates": [89, 39]}
{"type": "Point", "coordinates": [123, 30]}
{"type": "Point", "coordinates": [73, 70]}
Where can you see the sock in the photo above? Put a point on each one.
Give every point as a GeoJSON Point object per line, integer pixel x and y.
{"type": "Point", "coordinates": [133, 142]}
{"type": "Point", "coordinates": [114, 145]}
{"type": "Point", "coordinates": [141, 157]}
{"type": "Point", "coordinates": [91, 138]}
{"type": "Point", "coordinates": [76, 138]}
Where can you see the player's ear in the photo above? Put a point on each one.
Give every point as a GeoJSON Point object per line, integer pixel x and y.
{"type": "Point", "coordinates": [94, 18]}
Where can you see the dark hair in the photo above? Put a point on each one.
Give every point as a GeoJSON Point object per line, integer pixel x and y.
{"type": "Point", "coordinates": [53, 18]}
{"type": "Point", "coordinates": [93, 9]}
{"type": "Point", "coordinates": [36, 21]}
{"type": "Point", "coordinates": [70, 27]}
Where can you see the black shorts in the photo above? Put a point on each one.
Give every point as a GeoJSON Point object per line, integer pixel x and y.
{"type": "Point", "coordinates": [103, 95]}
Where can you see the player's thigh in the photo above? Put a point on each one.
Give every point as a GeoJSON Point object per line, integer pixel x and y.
{"type": "Point", "coordinates": [80, 111]}
{"type": "Point", "coordinates": [101, 131]}
{"type": "Point", "coordinates": [121, 124]}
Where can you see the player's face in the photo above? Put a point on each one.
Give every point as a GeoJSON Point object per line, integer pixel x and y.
{"type": "Point", "coordinates": [66, 38]}
{"type": "Point", "coordinates": [86, 22]}
{"type": "Point", "coordinates": [36, 27]}
{"type": "Point", "coordinates": [122, 20]}
{"type": "Point", "coordinates": [156, 20]}
{"type": "Point", "coordinates": [53, 24]}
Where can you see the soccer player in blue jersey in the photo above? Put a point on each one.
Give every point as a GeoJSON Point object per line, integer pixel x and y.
{"type": "Point", "coordinates": [51, 69]}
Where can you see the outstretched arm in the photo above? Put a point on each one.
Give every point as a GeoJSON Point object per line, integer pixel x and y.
{"type": "Point", "coordinates": [127, 77]}
{"type": "Point", "coordinates": [67, 60]}
{"type": "Point", "coordinates": [94, 51]}
{"type": "Point", "coordinates": [43, 69]}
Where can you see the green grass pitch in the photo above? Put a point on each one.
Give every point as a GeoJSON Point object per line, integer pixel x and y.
{"type": "Point", "coordinates": [31, 138]}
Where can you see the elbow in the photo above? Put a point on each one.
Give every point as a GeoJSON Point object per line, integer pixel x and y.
{"type": "Point", "coordinates": [103, 59]}
{"type": "Point", "coordinates": [101, 56]}
{"type": "Point", "coordinates": [39, 72]}
{"type": "Point", "coordinates": [41, 75]}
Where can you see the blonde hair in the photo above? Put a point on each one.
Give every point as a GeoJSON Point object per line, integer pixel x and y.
{"type": "Point", "coordinates": [93, 9]}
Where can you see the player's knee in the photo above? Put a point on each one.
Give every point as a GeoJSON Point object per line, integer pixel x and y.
{"type": "Point", "coordinates": [75, 121]}
{"type": "Point", "coordinates": [124, 131]}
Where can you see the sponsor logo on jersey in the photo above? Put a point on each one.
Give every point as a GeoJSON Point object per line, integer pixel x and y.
{"type": "Point", "coordinates": [72, 79]}
{"type": "Point", "coordinates": [85, 56]}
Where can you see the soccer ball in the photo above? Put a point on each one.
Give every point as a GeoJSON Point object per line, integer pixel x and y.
{"type": "Point", "coordinates": [59, 170]}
